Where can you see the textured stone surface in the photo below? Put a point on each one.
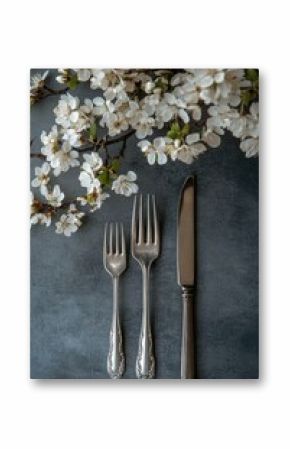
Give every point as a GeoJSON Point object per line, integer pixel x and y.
{"type": "Point", "coordinates": [71, 294]}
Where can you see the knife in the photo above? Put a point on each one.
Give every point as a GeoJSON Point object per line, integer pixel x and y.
{"type": "Point", "coordinates": [186, 275]}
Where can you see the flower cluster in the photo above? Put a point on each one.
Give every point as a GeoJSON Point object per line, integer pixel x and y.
{"type": "Point", "coordinates": [37, 88]}
{"type": "Point", "coordinates": [190, 110]}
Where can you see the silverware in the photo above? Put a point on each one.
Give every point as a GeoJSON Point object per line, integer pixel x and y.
{"type": "Point", "coordinates": [186, 276]}
{"type": "Point", "coordinates": [145, 247]}
{"type": "Point", "coordinates": [114, 257]}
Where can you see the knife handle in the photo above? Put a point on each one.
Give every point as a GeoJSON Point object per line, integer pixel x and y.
{"type": "Point", "coordinates": [188, 364]}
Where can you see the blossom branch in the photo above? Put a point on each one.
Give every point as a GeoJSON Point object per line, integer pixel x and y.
{"type": "Point", "coordinates": [96, 145]}
{"type": "Point", "coordinates": [194, 108]}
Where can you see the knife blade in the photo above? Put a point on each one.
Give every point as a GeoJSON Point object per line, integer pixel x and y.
{"type": "Point", "coordinates": [186, 275]}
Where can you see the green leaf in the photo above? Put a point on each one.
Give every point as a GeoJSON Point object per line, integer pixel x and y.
{"type": "Point", "coordinates": [115, 166]}
{"type": "Point", "coordinates": [175, 127]}
{"type": "Point", "coordinates": [93, 131]}
{"type": "Point", "coordinates": [174, 132]}
{"type": "Point", "coordinates": [170, 134]}
{"type": "Point", "coordinates": [185, 130]}
{"type": "Point", "coordinates": [252, 74]}
{"type": "Point", "coordinates": [73, 82]}
{"type": "Point", "coordinates": [247, 96]}
{"type": "Point", "coordinates": [104, 177]}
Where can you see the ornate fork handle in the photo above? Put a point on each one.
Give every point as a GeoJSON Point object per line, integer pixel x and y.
{"type": "Point", "coordinates": [116, 359]}
{"type": "Point", "coordinates": [145, 363]}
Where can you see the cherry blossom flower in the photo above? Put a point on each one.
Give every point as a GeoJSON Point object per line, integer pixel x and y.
{"type": "Point", "coordinates": [54, 197]}
{"type": "Point", "coordinates": [66, 111]}
{"type": "Point", "coordinates": [70, 221]}
{"type": "Point", "coordinates": [155, 152]}
{"type": "Point", "coordinates": [188, 151]}
{"type": "Point", "coordinates": [250, 136]}
{"type": "Point", "coordinates": [36, 216]}
{"type": "Point", "coordinates": [42, 176]}
{"type": "Point", "coordinates": [94, 199]}
{"type": "Point", "coordinates": [37, 80]}
{"type": "Point", "coordinates": [41, 218]}
{"type": "Point", "coordinates": [211, 138]}
{"type": "Point", "coordinates": [125, 185]}
{"type": "Point", "coordinates": [63, 159]}
{"type": "Point", "coordinates": [143, 124]}
{"type": "Point", "coordinates": [83, 74]}
{"type": "Point", "coordinates": [50, 141]}
{"type": "Point", "coordinates": [88, 179]}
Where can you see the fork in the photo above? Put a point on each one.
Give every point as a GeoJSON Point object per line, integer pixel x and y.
{"type": "Point", "coordinates": [114, 258]}
{"type": "Point", "coordinates": [145, 247]}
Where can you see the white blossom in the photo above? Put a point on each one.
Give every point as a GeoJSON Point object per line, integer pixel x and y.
{"type": "Point", "coordinates": [83, 74]}
{"type": "Point", "coordinates": [66, 112]}
{"type": "Point", "coordinates": [116, 123]}
{"type": "Point", "coordinates": [125, 185]}
{"type": "Point", "coordinates": [156, 151]}
{"type": "Point", "coordinates": [37, 80]}
{"type": "Point", "coordinates": [103, 106]}
{"type": "Point", "coordinates": [89, 181]}
{"type": "Point", "coordinates": [250, 146]}
{"type": "Point", "coordinates": [69, 222]}
{"type": "Point", "coordinates": [74, 118]}
{"type": "Point", "coordinates": [94, 199]}
{"type": "Point", "coordinates": [41, 218]}
{"type": "Point", "coordinates": [42, 176]}
{"type": "Point", "coordinates": [93, 161]}
{"type": "Point", "coordinates": [54, 197]}
{"type": "Point", "coordinates": [50, 141]}
{"type": "Point", "coordinates": [178, 106]}
{"type": "Point", "coordinates": [221, 117]}
{"type": "Point", "coordinates": [63, 159]}
{"type": "Point", "coordinates": [188, 151]}
{"type": "Point", "coordinates": [88, 176]}
{"type": "Point", "coordinates": [102, 79]}
{"type": "Point", "coordinates": [143, 124]}
{"type": "Point", "coordinates": [250, 136]}
{"type": "Point", "coordinates": [211, 138]}
{"type": "Point", "coordinates": [218, 85]}
{"type": "Point", "coordinates": [36, 216]}
{"type": "Point", "coordinates": [63, 76]}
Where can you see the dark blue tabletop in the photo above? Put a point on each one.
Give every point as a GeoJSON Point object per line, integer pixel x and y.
{"type": "Point", "coordinates": [71, 294]}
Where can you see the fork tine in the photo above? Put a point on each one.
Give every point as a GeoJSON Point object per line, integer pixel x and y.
{"type": "Point", "coordinates": [140, 224]}
{"type": "Point", "coordinates": [117, 239]}
{"type": "Point", "coordinates": [155, 222]}
{"type": "Point", "coordinates": [123, 246]}
{"type": "Point", "coordinates": [133, 230]}
{"type": "Point", "coordinates": [149, 226]}
{"type": "Point", "coordinates": [111, 239]}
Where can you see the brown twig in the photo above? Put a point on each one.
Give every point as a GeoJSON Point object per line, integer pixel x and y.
{"type": "Point", "coordinates": [37, 155]}
{"type": "Point", "coordinates": [106, 142]}
{"type": "Point", "coordinates": [55, 91]}
{"type": "Point", "coordinates": [45, 207]}
{"type": "Point", "coordinates": [96, 145]}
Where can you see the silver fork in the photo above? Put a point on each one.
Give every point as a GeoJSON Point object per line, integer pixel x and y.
{"type": "Point", "coordinates": [114, 257]}
{"type": "Point", "coordinates": [145, 247]}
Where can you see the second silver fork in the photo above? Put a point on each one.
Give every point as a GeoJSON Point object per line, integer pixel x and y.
{"type": "Point", "coordinates": [145, 247]}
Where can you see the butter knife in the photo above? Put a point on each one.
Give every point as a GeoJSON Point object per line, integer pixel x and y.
{"type": "Point", "coordinates": [186, 275]}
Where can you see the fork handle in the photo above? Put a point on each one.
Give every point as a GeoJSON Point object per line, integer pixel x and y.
{"type": "Point", "coordinates": [116, 359]}
{"type": "Point", "coordinates": [188, 363]}
{"type": "Point", "coordinates": [145, 363]}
